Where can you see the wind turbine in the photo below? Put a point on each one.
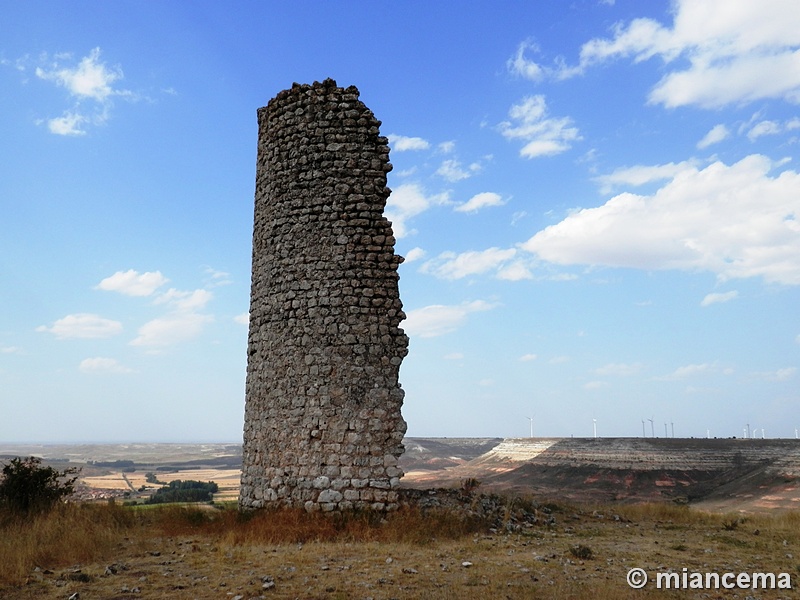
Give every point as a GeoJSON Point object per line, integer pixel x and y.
{"type": "Point", "coordinates": [665, 430]}
{"type": "Point", "coordinates": [531, 420]}
{"type": "Point", "coordinates": [643, 433]}
{"type": "Point", "coordinates": [652, 428]}
{"type": "Point", "coordinates": [594, 425]}
{"type": "Point", "coordinates": [671, 424]}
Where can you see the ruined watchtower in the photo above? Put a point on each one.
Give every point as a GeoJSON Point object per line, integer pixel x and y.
{"type": "Point", "coordinates": [322, 427]}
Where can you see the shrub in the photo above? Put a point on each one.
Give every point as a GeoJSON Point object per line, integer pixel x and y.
{"type": "Point", "coordinates": [184, 491]}
{"type": "Point", "coordinates": [27, 486]}
{"type": "Point", "coordinates": [581, 552]}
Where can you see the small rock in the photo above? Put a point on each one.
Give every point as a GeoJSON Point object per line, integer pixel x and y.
{"type": "Point", "coordinates": [75, 596]}
{"type": "Point", "coordinates": [410, 571]}
{"type": "Point", "coordinates": [389, 560]}
{"type": "Point", "coordinates": [466, 564]}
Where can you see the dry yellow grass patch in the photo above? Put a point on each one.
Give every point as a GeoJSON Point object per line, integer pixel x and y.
{"type": "Point", "coordinates": [185, 552]}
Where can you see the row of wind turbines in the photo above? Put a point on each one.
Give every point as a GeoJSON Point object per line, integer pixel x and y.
{"type": "Point", "coordinates": [747, 433]}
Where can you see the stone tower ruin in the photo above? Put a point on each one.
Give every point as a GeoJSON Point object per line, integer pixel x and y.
{"type": "Point", "coordinates": [323, 428]}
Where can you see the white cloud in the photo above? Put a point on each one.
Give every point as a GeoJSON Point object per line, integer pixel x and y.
{"type": "Point", "coordinates": [784, 374]}
{"type": "Point", "coordinates": [185, 301]}
{"type": "Point", "coordinates": [453, 356]}
{"type": "Point", "coordinates": [68, 124]}
{"type": "Point", "coordinates": [90, 81]}
{"type": "Point", "coordinates": [83, 325]}
{"type": "Point", "coordinates": [452, 171]}
{"type": "Point", "coordinates": [528, 357]}
{"type": "Point", "coordinates": [242, 319]}
{"type": "Point", "coordinates": [521, 65]}
{"type": "Point", "coordinates": [414, 254]}
{"type": "Point", "coordinates": [618, 369]}
{"type": "Point", "coordinates": [450, 265]}
{"type": "Point", "coordinates": [10, 350]}
{"type": "Point", "coordinates": [763, 128]}
{"type": "Point", "coordinates": [133, 283]}
{"type": "Point", "coordinates": [479, 201]}
{"type": "Point", "coordinates": [718, 52]}
{"type": "Point", "coordinates": [640, 175]}
{"type": "Point", "coordinates": [100, 364]}
{"type": "Point", "coordinates": [447, 147]}
{"type": "Point", "coordinates": [718, 298]}
{"type": "Point", "coordinates": [171, 329]}
{"type": "Point", "coordinates": [217, 278]}
{"type": "Point", "coordinates": [543, 135]}
{"type": "Point", "coordinates": [715, 135]}
{"type": "Point", "coordinates": [401, 143]}
{"type": "Point", "coordinates": [407, 201]}
{"type": "Point", "coordinates": [437, 319]}
{"type": "Point", "coordinates": [514, 271]}
{"type": "Point", "coordinates": [690, 371]}
{"type": "Point", "coordinates": [736, 221]}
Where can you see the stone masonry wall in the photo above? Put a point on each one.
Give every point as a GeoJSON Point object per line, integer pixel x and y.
{"type": "Point", "coordinates": [323, 428]}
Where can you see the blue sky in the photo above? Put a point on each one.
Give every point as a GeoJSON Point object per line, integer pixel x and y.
{"type": "Point", "coordinates": [598, 203]}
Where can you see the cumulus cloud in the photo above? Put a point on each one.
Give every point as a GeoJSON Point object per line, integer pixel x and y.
{"type": "Point", "coordinates": [693, 370]}
{"type": "Point", "coordinates": [438, 319]}
{"type": "Point", "coordinates": [763, 128]}
{"type": "Point", "coordinates": [243, 319]}
{"type": "Point", "coordinates": [401, 143]}
{"type": "Point", "coordinates": [715, 135]}
{"type": "Point", "coordinates": [521, 65]}
{"type": "Point", "coordinates": [640, 175]}
{"type": "Point", "coordinates": [452, 171]}
{"type": "Point", "coordinates": [407, 201]}
{"type": "Point", "coordinates": [528, 357]}
{"type": "Point", "coordinates": [171, 329]}
{"type": "Point", "coordinates": [83, 325]}
{"type": "Point", "coordinates": [414, 254]}
{"type": "Point", "coordinates": [717, 52]}
{"type": "Point", "coordinates": [718, 298]}
{"type": "Point", "coordinates": [479, 201]}
{"type": "Point", "coordinates": [450, 265]}
{"type": "Point", "coordinates": [542, 135]}
{"type": "Point", "coordinates": [133, 283]}
{"type": "Point", "coordinates": [736, 221]}
{"type": "Point", "coordinates": [185, 300]}
{"type": "Point", "coordinates": [103, 365]}
{"type": "Point", "coordinates": [91, 83]}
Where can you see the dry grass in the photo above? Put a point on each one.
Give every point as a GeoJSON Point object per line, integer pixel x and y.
{"type": "Point", "coordinates": [71, 533]}
{"type": "Point", "coordinates": [201, 552]}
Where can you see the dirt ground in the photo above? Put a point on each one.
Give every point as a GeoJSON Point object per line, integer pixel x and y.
{"type": "Point", "coordinates": [582, 553]}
